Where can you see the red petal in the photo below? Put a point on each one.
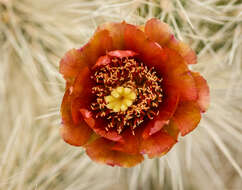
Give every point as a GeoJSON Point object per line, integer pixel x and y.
{"type": "Point", "coordinates": [168, 62]}
{"type": "Point", "coordinates": [122, 53]}
{"type": "Point", "coordinates": [157, 144]}
{"type": "Point", "coordinates": [158, 31]}
{"type": "Point", "coordinates": [162, 142]}
{"type": "Point", "coordinates": [73, 134]}
{"type": "Point", "coordinates": [131, 142]}
{"type": "Point", "coordinates": [98, 125]}
{"type": "Point", "coordinates": [100, 151]}
{"type": "Point", "coordinates": [116, 31]}
{"type": "Point", "coordinates": [149, 52]}
{"type": "Point", "coordinates": [102, 61]}
{"type": "Point", "coordinates": [187, 117]}
{"type": "Point", "coordinates": [166, 111]}
{"type": "Point", "coordinates": [82, 95]}
{"type": "Point", "coordinates": [161, 33]}
{"type": "Point", "coordinates": [80, 106]}
{"type": "Point", "coordinates": [203, 91]}
{"type": "Point", "coordinates": [183, 49]}
{"type": "Point", "coordinates": [83, 84]}
{"type": "Point", "coordinates": [177, 75]}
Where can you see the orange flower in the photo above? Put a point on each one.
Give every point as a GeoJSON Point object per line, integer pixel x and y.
{"type": "Point", "coordinates": [129, 92]}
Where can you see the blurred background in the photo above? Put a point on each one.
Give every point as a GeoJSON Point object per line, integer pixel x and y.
{"type": "Point", "coordinates": [35, 34]}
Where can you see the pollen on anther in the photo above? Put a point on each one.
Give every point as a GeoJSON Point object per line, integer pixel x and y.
{"type": "Point", "coordinates": [127, 93]}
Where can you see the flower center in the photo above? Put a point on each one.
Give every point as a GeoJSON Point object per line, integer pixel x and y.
{"type": "Point", "coordinates": [120, 99]}
{"type": "Point", "coordinates": [127, 93]}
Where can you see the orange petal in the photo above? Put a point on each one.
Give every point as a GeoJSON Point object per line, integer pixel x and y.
{"type": "Point", "coordinates": [141, 27]}
{"type": "Point", "coordinates": [100, 151]}
{"type": "Point", "coordinates": [148, 51]}
{"type": "Point", "coordinates": [122, 53]}
{"type": "Point", "coordinates": [158, 31]}
{"type": "Point", "coordinates": [187, 117]}
{"type": "Point", "coordinates": [75, 60]}
{"type": "Point", "coordinates": [73, 134]}
{"type": "Point", "coordinates": [116, 31]}
{"type": "Point", "coordinates": [203, 91]}
{"type": "Point", "coordinates": [157, 144]}
{"type": "Point", "coordinates": [66, 107]}
{"type": "Point", "coordinates": [83, 84]}
{"type": "Point", "coordinates": [183, 49]}
{"type": "Point", "coordinates": [100, 43]}
{"type": "Point", "coordinates": [177, 75]}
{"type": "Point", "coordinates": [71, 64]}
{"type": "Point", "coordinates": [166, 111]}
{"type": "Point", "coordinates": [172, 129]}
{"type": "Point", "coordinates": [76, 135]}
{"type": "Point", "coordinates": [98, 125]}
{"type": "Point", "coordinates": [161, 33]}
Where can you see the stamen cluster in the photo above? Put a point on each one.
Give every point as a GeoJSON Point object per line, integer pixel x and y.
{"type": "Point", "coordinates": [120, 99]}
{"type": "Point", "coordinates": [126, 73]}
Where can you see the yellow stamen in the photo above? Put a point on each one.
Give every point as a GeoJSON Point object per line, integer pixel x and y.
{"type": "Point", "coordinates": [128, 102]}
{"type": "Point", "coordinates": [120, 99]}
{"type": "Point", "coordinates": [115, 94]}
